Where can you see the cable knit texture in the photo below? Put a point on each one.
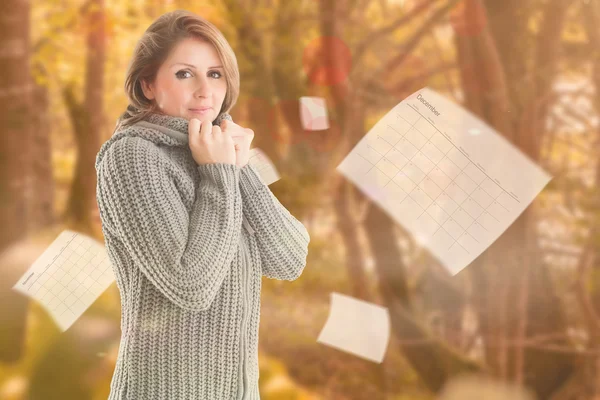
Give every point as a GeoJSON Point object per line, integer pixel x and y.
{"type": "Point", "coordinates": [189, 245]}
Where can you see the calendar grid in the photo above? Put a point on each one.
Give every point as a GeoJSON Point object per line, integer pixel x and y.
{"type": "Point", "coordinates": [55, 258]}
{"type": "Point", "coordinates": [80, 251]}
{"type": "Point", "coordinates": [475, 220]}
{"type": "Point", "coordinates": [423, 176]}
{"type": "Point", "coordinates": [68, 277]}
{"type": "Point", "coordinates": [417, 183]}
{"type": "Point", "coordinates": [452, 181]}
{"type": "Point", "coordinates": [466, 155]}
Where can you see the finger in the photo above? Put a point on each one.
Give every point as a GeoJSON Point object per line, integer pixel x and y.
{"type": "Point", "coordinates": [205, 129]}
{"type": "Point", "coordinates": [216, 130]}
{"type": "Point", "coordinates": [224, 124]}
{"type": "Point", "coordinates": [193, 128]}
{"type": "Point", "coordinates": [234, 129]}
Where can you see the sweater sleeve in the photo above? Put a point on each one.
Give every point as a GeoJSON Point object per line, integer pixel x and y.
{"type": "Point", "coordinates": [282, 239]}
{"type": "Point", "coordinates": [186, 255]}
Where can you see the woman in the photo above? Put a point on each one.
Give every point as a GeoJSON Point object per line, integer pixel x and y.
{"type": "Point", "coordinates": [189, 225]}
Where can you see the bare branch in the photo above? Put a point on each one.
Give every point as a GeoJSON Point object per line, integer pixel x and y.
{"type": "Point", "coordinates": [406, 83]}
{"type": "Point", "coordinates": [376, 35]}
{"type": "Point", "coordinates": [413, 41]}
{"type": "Point", "coordinates": [374, 91]}
{"type": "Point", "coordinates": [439, 51]}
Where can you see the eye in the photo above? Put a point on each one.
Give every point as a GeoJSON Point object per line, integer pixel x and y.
{"type": "Point", "coordinates": [177, 74]}
{"type": "Point", "coordinates": [215, 72]}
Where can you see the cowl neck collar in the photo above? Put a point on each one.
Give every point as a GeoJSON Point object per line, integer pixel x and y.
{"type": "Point", "coordinates": [175, 127]}
{"type": "Point", "coordinates": [161, 129]}
{"type": "Point", "coordinates": [178, 124]}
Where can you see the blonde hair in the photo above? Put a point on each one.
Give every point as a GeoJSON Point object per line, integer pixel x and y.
{"type": "Point", "coordinates": [153, 48]}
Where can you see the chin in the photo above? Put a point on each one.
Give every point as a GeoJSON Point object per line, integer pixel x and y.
{"type": "Point", "coordinates": [209, 114]}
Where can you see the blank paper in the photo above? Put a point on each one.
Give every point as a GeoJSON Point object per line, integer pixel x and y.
{"type": "Point", "coordinates": [357, 327]}
{"type": "Point", "coordinates": [267, 171]}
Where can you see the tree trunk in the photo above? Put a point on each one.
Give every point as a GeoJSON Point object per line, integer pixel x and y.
{"type": "Point", "coordinates": [591, 18]}
{"type": "Point", "coordinates": [348, 229]}
{"type": "Point", "coordinates": [434, 362]}
{"type": "Point", "coordinates": [42, 201]}
{"type": "Point", "coordinates": [352, 125]}
{"type": "Point", "coordinates": [15, 172]}
{"type": "Point", "coordinates": [15, 97]}
{"type": "Point", "coordinates": [255, 70]}
{"type": "Point", "coordinates": [88, 122]}
{"type": "Point", "coordinates": [503, 263]}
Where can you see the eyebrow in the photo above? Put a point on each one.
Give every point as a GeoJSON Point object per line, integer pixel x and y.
{"type": "Point", "coordinates": [193, 66]}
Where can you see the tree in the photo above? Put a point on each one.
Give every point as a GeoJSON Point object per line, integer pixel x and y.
{"type": "Point", "coordinates": [88, 121]}
{"type": "Point", "coordinates": [494, 61]}
{"type": "Point", "coordinates": [15, 171]}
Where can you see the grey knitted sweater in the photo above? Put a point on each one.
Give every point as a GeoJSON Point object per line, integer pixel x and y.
{"type": "Point", "coordinates": [189, 245]}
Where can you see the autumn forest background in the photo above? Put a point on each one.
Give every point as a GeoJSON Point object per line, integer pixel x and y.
{"type": "Point", "coordinates": [526, 313]}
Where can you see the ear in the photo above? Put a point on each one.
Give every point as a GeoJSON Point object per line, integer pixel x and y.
{"type": "Point", "coordinates": [147, 89]}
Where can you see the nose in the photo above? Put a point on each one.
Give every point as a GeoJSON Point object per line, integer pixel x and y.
{"type": "Point", "coordinates": [203, 88]}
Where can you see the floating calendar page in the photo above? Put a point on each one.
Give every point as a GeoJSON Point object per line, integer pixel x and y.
{"type": "Point", "coordinates": [264, 166]}
{"type": "Point", "coordinates": [447, 177]}
{"type": "Point", "coordinates": [68, 277]}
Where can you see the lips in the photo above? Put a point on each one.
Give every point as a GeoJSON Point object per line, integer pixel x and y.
{"type": "Point", "coordinates": [200, 109]}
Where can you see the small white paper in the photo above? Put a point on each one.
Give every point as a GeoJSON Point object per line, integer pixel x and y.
{"type": "Point", "coordinates": [357, 327]}
{"type": "Point", "coordinates": [68, 277]}
{"type": "Point", "coordinates": [313, 113]}
{"type": "Point", "coordinates": [267, 171]}
{"type": "Point", "coordinates": [451, 180]}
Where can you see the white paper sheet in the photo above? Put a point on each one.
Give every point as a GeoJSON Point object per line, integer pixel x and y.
{"type": "Point", "coordinates": [357, 327]}
{"type": "Point", "coordinates": [68, 277]}
{"type": "Point", "coordinates": [267, 171]}
{"type": "Point", "coordinates": [446, 176]}
{"type": "Point", "coordinates": [313, 113]}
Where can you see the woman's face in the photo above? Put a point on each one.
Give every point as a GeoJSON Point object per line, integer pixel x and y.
{"type": "Point", "coordinates": [190, 83]}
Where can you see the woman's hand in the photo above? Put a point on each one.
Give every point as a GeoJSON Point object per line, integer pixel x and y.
{"type": "Point", "coordinates": [209, 144]}
{"type": "Point", "coordinates": [242, 137]}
